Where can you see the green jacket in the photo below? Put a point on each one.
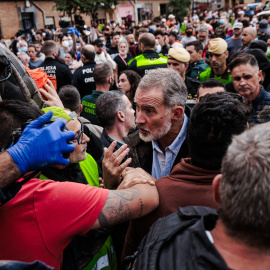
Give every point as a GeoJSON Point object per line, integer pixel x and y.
{"type": "Point", "coordinates": [195, 69]}
{"type": "Point", "coordinates": [208, 73]}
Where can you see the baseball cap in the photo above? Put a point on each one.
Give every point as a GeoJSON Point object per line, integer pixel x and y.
{"type": "Point", "coordinates": [98, 42]}
{"type": "Point", "coordinates": [171, 16]}
{"type": "Point", "coordinates": [163, 20]}
{"type": "Point", "coordinates": [238, 25]}
{"type": "Point", "coordinates": [179, 54]}
{"type": "Point", "coordinates": [217, 46]}
{"type": "Point", "coordinates": [263, 25]}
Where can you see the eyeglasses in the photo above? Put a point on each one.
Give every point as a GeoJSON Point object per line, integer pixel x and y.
{"type": "Point", "coordinates": [79, 137]}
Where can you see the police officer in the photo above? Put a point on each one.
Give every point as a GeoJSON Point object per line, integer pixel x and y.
{"type": "Point", "coordinates": [196, 64]}
{"type": "Point", "coordinates": [149, 59]}
{"type": "Point", "coordinates": [54, 68]}
{"type": "Point", "coordinates": [83, 78]}
{"type": "Point", "coordinates": [178, 59]}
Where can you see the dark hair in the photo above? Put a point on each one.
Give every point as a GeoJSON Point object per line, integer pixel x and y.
{"type": "Point", "coordinates": [88, 54]}
{"type": "Point", "coordinates": [213, 122]}
{"type": "Point", "coordinates": [107, 106]}
{"type": "Point", "coordinates": [35, 42]}
{"type": "Point", "coordinates": [245, 22]}
{"type": "Point", "coordinates": [70, 97]}
{"type": "Point", "coordinates": [197, 45]}
{"type": "Point", "coordinates": [101, 73]}
{"type": "Point", "coordinates": [113, 34]}
{"type": "Point", "coordinates": [32, 46]}
{"type": "Point", "coordinates": [158, 32]}
{"type": "Point", "coordinates": [126, 32]}
{"type": "Point", "coordinates": [243, 59]}
{"type": "Point", "coordinates": [211, 83]}
{"type": "Point", "coordinates": [72, 54]}
{"type": "Point", "coordinates": [134, 79]}
{"type": "Point", "coordinates": [13, 114]}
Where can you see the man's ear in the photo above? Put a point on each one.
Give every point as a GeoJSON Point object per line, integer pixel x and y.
{"type": "Point", "coordinates": [81, 108]}
{"type": "Point", "coordinates": [120, 116]}
{"type": "Point", "coordinates": [177, 112]}
{"type": "Point", "coordinates": [200, 52]}
{"type": "Point", "coordinates": [186, 66]}
{"type": "Point", "coordinates": [227, 54]}
{"type": "Point", "coordinates": [216, 188]}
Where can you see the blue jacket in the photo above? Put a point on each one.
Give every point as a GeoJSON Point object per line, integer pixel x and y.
{"type": "Point", "coordinates": [261, 107]}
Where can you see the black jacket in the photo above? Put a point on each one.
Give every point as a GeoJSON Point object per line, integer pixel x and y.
{"type": "Point", "coordinates": [83, 79]}
{"type": "Point", "coordinates": [58, 70]}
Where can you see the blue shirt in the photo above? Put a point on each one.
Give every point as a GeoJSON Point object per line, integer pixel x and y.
{"type": "Point", "coordinates": [162, 164]}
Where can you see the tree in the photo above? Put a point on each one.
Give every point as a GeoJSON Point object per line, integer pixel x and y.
{"type": "Point", "coordinates": [68, 7]}
{"type": "Point", "coordinates": [89, 7]}
{"type": "Point", "coordinates": [179, 8]}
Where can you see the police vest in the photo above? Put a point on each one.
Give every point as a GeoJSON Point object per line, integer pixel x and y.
{"type": "Point", "coordinates": [145, 62]}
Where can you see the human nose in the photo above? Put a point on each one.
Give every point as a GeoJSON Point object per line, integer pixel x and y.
{"type": "Point", "coordinates": [85, 138]}
{"type": "Point", "coordinates": [139, 117]}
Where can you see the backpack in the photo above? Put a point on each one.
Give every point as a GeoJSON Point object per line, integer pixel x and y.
{"type": "Point", "coordinates": [15, 82]}
{"type": "Point", "coordinates": [161, 233]}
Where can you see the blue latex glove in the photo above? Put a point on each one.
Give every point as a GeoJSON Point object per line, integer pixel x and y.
{"type": "Point", "coordinates": [39, 146]}
{"type": "Point", "coordinates": [71, 30]}
{"type": "Point", "coordinates": [77, 32]}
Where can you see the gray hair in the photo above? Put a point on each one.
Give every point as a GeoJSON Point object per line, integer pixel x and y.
{"type": "Point", "coordinates": [203, 29]}
{"type": "Point", "coordinates": [24, 55]}
{"type": "Point", "coordinates": [170, 82]}
{"type": "Point", "coordinates": [107, 106]}
{"type": "Point", "coordinates": [245, 187]}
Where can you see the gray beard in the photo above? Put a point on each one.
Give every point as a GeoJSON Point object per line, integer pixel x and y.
{"type": "Point", "coordinates": [204, 43]}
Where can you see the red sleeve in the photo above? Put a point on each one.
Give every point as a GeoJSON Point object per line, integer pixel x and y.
{"type": "Point", "coordinates": [65, 209]}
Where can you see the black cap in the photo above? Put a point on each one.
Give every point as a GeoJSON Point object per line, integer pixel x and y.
{"type": "Point", "coordinates": [97, 42]}
{"type": "Point", "coordinates": [258, 44]}
{"type": "Point", "coordinates": [263, 26]}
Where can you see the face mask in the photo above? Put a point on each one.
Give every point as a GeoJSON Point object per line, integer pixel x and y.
{"type": "Point", "coordinates": [185, 21]}
{"type": "Point", "coordinates": [222, 21]}
{"type": "Point", "coordinates": [122, 38]}
{"type": "Point", "coordinates": [65, 44]}
{"type": "Point", "coordinates": [158, 50]}
{"type": "Point", "coordinates": [23, 49]}
{"type": "Point", "coordinates": [38, 54]}
{"type": "Point", "coordinates": [189, 33]}
{"type": "Point", "coordinates": [254, 20]}
{"type": "Point", "coordinates": [70, 42]}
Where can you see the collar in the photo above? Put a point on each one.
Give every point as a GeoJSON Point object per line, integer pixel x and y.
{"type": "Point", "coordinates": [224, 76]}
{"type": "Point", "coordinates": [259, 98]}
{"type": "Point", "coordinates": [90, 62]}
{"type": "Point", "coordinates": [175, 146]}
{"type": "Point", "coordinates": [110, 140]}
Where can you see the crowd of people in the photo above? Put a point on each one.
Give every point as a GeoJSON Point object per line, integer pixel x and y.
{"type": "Point", "coordinates": [140, 120]}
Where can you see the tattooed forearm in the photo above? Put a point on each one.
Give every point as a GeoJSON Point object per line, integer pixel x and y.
{"type": "Point", "coordinates": [117, 207]}
{"type": "Point", "coordinates": [141, 208]}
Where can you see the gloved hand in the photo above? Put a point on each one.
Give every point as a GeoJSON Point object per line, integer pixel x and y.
{"type": "Point", "coordinates": [77, 32]}
{"type": "Point", "coordinates": [71, 30]}
{"type": "Point", "coordinates": [39, 146]}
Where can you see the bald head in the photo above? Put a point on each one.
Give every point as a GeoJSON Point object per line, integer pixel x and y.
{"type": "Point", "coordinates": [88, 53]}
{"type": "Point", "coordinates": [248, 35]}
{"type": "Point", "coordinates": [148, 41]}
